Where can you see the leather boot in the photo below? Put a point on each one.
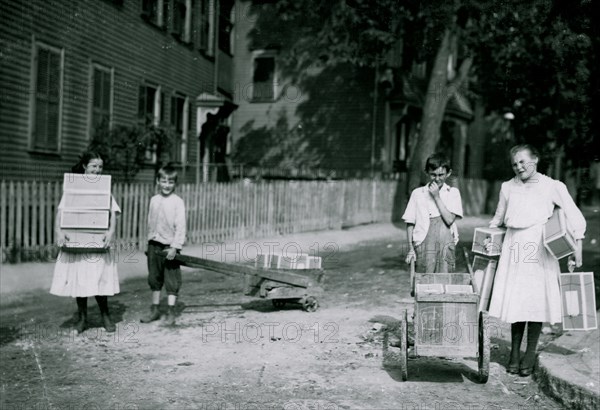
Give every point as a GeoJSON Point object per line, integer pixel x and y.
{"type": "Point", "coordinates": [533, 335]}
{"type": "Point", "coordinates": [154, 315]}
{"type": "Point", "coordinates": [102, 301]}
{"type": "Point", "coordinates": [170, 319]}
{"type": "Point", "coordinates": [516, 333]}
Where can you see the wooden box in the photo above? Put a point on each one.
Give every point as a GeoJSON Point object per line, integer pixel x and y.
{"type": "Point", "coordinates": [267, 260]}
{"type": "Point", "coordinates": [429, 288]}
{"type": "Point", "coordinates": [302, 261]}
{"type": "Point", "coordinates": [86, 200]}
{"type": "Point", "coordinates": [82, 239]}
{"type": "Point", "coordinates": [483, 236]}
{"type": "Point", "coordinates": [557, 238]}
{"type": "Point", "coordinates": [84, 219]}
{"type": "Point", "coordinates": [578, 301]}
{"type": "Point", "coordinates": [86, 191]}
{"type": "Point", "coordinates": [484, 272]}
{"type": "Point", "coordinates": [454, 289]}
{"type": "Point", "coordinates": [445, 324]}
{"type": "Point", "coordinates": [86, 182]}
{"type": "Point", "coordinates": [263, 260]}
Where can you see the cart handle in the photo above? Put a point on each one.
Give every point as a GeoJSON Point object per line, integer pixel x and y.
{"type": "Point", "coordinates": [469, 267]}
{"type": "Point", "coordinates": [412, 278]}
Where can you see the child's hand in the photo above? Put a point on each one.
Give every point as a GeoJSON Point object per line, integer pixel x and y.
{"type": "Point", "coordinates": [411, 256]}
{"type": "Point", "coordinates": [171, 254]}
{"type": "Point", "coordinates": [575, 260]}
{"type": "Point", "coordinates": [107, 240]}
{"type": "Point", "coordinates": [434, 189]}
{"type": "Point", "coordinates": [61, 238]}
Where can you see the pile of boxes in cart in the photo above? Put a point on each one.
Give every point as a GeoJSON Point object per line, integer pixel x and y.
{"type": "Point", "coordinates": [577, 288]}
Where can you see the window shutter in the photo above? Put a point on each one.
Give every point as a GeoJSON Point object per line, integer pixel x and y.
{"type": "Point", "coordinates": [47, 100]}
{"type": "Point", "coordinates": [142, 103]}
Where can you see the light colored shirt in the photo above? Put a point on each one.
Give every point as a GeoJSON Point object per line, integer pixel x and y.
{"type": "Point", "coordinates": [525, 204]}
{"type": "Point", "coordinates": [166, 220]}
{"type": "Point", "coordinates": [422, 207]}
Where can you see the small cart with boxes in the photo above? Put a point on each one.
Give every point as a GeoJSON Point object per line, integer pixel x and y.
{"type": "Point", "coordinates": [273, 277]}
{"type": "Point", "coordinates": [447, 322]}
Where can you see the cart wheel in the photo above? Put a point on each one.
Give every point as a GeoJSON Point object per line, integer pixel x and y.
{"type": "Point", "coordinates": [404, 346]}
{"type": "Point", "coordinates": [310, 304]}
{"type": "Point", "coordinates": [484, 348]}
{"type": "Point", "coordinates": [278, 303]}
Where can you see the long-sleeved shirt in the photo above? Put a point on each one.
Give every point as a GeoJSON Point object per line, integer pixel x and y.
{"type": "Point", "coordinates": [166, 220]}
{"type": "Point", "coordinates": [522, 205]}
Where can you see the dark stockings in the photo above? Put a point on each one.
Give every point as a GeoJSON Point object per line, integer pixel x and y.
{"type": "Point", "coordinates": [516, 331]}
{"type": "Point", "coordinates": [533, 335]}
{"type": "Point", "coordinates": [102, 304]}
{"type": "Point", "coordinates": [81, 324]}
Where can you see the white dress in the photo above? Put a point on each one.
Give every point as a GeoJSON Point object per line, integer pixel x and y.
{"type": "Point", "coordinates": [86, 274]}
{"type": "Point", "coordinates": [526, 286]}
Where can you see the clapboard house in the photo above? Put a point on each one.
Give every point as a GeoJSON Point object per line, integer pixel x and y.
{"type": "Point", "coordinates": [67, 66]}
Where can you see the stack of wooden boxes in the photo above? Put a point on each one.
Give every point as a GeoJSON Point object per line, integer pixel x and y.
{"type": "Point", "coordinates": [85, 213]}
{"type": "Point", "coordinates": [300, 261]}
{"type": "Point", "coordinates": [577, 289]}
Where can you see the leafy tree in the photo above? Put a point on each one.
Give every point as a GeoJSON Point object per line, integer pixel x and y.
{"type": "Point", "coordinates": [312, 33]}
{"type": "Point", "coordinates": [124, 149]}
{"type": "Point", "coordinates": [542, 74]}
{"type": "Point", "coordinates": [530, 57]}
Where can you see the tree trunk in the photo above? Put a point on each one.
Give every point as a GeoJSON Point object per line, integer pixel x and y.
{"type": "Point", "coordinates": [433, 113]}
{"type": "Point", "coordinates": [460, 148]}
{"type": "Point", "coordinates": [439, 91]}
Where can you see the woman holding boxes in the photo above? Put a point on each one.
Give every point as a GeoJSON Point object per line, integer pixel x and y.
{"type": "Point", "coordinates": [84, 274]}
{"type": "Point", "coordinates": [526, 287]}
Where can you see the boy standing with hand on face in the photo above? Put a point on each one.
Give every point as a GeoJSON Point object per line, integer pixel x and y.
{"type": "Point", "coordinates": [430, 218]}
{"type": "Point", "coordinates": [166, 231]}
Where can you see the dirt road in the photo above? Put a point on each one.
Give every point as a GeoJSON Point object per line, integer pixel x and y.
{"type": "Point", "coordinates": [229, 351]}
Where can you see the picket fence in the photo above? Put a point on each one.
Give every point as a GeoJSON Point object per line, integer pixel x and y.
{"type": "Point", "coordinates": [217, 211]}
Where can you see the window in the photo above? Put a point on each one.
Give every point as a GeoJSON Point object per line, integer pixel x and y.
{"type": "Point", "coordinates": [182, 20]}
{"type": "Point", "coordinates": [263, 78]}
{"type": "Point", "coordinates": [101, 101]}
{"type": "Point", "coordinates": [46, 103]}
{"type": "Point", "coordinates": [180, 123]}
{"type": "Point", "coordinates": [150, 109]}
{"type": "Point", "coordinates": [226, 25]}
{"type": "Point", "coordinates": [205, 28]}
{"type": "Point", "coordinates": [156, 11]}
{"type": "Point", "coordinates": [150, 105]}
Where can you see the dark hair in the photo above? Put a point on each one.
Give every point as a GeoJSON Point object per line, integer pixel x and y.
{"type": "Point", "coordinates": [167, 171]}
{"type": "Point", "coordinates": [436, 161]}
{"type": "Point", "coordinates": [84, 160]}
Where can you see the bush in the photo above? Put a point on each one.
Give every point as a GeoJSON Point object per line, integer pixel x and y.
{"type": "Point", "coordinates": [126, 149]}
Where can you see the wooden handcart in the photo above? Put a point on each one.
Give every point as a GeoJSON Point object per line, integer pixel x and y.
{"type": "Point", "coordinates": [447, 321]}
{"type": "Point", "coordinates": [280, 286]}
